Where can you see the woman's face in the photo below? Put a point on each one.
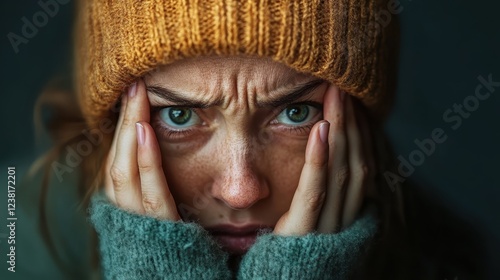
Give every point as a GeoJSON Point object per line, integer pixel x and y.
{"type": "Point", "coordinates": [232, 133]}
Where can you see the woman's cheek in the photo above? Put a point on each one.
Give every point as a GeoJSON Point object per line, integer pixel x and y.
{"type": "Point", "coordinates": [186, 173]}
{"type": "Point", "coordinates": [285, 160]}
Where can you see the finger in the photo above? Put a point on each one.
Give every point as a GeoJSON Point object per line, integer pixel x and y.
{"type": "Point", "coordinates": [156, 197]}
{"type": "Point", "coordinates": [357, 166]}
{"type": "Point", "coordinates": [112, 151]}
{"type": "Point", "coordinates": [338, 168]}
{"type": "Point", "coordinates": [310, 193]}
{"type": "Point", "coordinates": [123, 109]}
{"type": "Point", "coordinates": [124, 171]}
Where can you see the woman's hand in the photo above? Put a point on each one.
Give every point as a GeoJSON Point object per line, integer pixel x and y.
{"type": "Point", "coordinates": [134, 176]}
{"type": "Point", "coordinates": [336, 173]}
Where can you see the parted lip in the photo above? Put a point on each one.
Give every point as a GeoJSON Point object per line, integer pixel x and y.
{"type": "Point", "coordinates": [236, 239]}
{"type": "Point", "coordinates": [238, 230]}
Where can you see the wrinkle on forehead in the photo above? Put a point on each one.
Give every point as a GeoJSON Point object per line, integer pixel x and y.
{"type": "Point", "coordinates": [207, 78]}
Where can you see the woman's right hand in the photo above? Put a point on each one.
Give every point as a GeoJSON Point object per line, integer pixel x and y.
{"type": "Point", "coordinates": [134, 177]}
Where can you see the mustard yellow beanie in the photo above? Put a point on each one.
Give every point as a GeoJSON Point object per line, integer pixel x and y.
{"type": "Point", "coordinates": [341, 41]}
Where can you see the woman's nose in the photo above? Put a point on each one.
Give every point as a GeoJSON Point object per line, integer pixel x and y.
{"type": "Point", "coordinates": [240, 185]}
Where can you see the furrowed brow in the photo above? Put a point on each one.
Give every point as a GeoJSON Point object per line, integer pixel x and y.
{"type": "Point", "coordinates": [292, 95]}
{"type": "Point", "coordinates": [179, 99]}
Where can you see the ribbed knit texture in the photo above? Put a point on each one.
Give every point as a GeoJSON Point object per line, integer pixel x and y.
{"type": "Point", "coordinates": [337, 40]}
{"type": "Point", "coordinates": [313, 256]}
{"type": "Point", "coordinates": [140, 247]}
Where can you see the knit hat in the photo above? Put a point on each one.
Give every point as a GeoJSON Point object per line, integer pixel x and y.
{"type": "Point", "coordinates": [341, 41]}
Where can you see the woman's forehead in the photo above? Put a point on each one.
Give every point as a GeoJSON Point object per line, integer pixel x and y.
{"type": "Point", "coordinates": [226, 74]}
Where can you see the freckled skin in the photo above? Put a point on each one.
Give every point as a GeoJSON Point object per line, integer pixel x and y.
{"type": "Point", "coordinates": [237, 168]}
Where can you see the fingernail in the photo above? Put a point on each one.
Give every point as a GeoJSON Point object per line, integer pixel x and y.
{"type": "Point", "coordinates": [140, 133]}
{"type": "Point", "coordinates": [323, 131]}
{"type": "Point", "coordinates": [132, 90]}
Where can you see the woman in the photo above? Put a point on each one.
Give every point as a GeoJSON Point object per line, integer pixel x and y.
{"type": "Point", "coordinates": [247, 142]}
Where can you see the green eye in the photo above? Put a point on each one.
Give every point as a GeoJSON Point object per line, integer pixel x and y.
{"type": "Point", "coordinates": [178, 117]}
{"type": "Point", "coordinates": [296, 114]}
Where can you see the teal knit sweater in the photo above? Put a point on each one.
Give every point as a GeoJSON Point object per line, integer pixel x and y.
{"type": "Point", "coordinates": [139, 247]}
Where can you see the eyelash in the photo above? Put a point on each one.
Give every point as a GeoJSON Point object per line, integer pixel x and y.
{"type": "Point", "coordinates": [170, 133]}
{"type": "Point", "coordinates": [300, 129]}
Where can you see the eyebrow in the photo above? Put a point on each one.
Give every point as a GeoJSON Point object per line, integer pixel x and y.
{"type": "Point", "coordinates": [296, 93]}
{"type": "Point", "coordinates": [180, 100]}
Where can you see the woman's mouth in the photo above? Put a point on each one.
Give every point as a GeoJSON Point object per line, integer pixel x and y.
{"type": "Point", "coordinates": [236, 240]}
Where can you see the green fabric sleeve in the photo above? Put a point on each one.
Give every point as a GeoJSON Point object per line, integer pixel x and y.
{"type": "Point", "coordinates": [313, 256]}
{"type": "Point", "coordinates": [134, 246]}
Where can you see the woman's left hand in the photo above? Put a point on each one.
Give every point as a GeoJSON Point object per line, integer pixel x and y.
{"type": "Point", "coordinates": [336, 173]}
